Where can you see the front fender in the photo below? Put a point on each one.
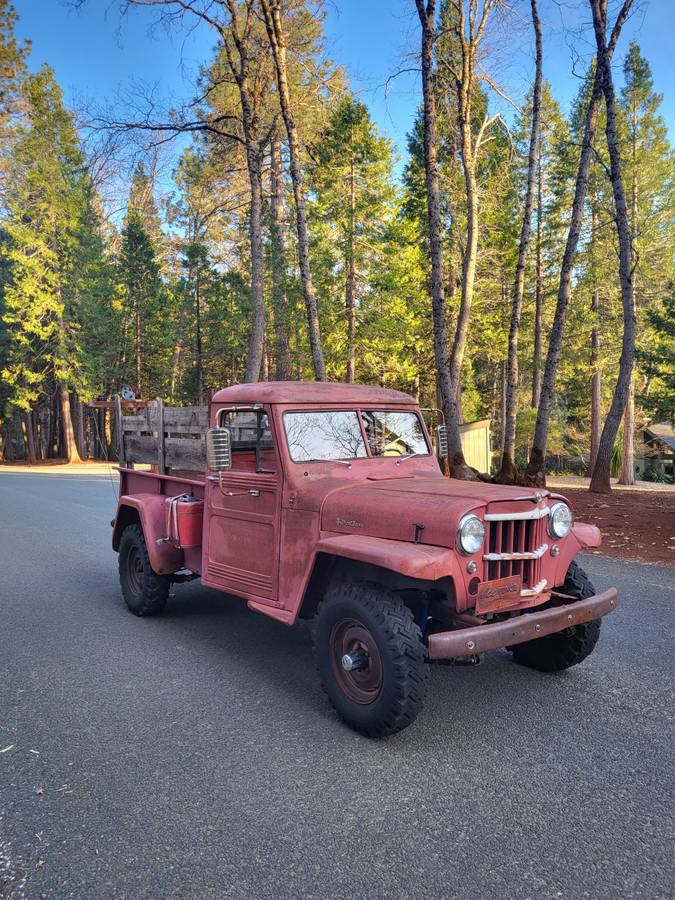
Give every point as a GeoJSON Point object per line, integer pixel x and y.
{"type": "Point", "coordinates": [413, 560]}
{"type": "Point", "coordinates": [150, 509]}
{"type": "Point", "coordinates": [586, 535]}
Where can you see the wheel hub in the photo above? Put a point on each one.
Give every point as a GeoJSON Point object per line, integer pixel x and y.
{"type": "Point", "coordinates": [356, 661]}
{"type": "Point", "coordinates": [135, 571]}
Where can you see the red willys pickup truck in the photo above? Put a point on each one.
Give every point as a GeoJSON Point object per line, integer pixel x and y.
{"type": "Point", "coordinates": [327, 502]}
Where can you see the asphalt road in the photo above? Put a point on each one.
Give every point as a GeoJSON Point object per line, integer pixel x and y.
{"type": "Point", "coordinates": [194, 755]}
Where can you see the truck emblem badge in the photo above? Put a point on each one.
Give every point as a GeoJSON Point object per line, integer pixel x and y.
{"type": "Point", "coordinates": [348, 523]}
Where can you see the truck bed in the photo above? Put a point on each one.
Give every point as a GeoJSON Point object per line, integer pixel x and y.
{"type": "Point", "coordinates": [139, 481]}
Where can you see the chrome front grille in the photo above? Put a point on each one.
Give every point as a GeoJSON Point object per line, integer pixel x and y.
{"type": "Point", "coordinates": [515, 547]}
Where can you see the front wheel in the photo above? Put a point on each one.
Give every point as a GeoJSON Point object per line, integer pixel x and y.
{"type": "Point", "coordinates": [144, 591]}
{"type": "Point", "coordinates": [564, 648]}
{"type": "Point", "coordinates": [370, 658]}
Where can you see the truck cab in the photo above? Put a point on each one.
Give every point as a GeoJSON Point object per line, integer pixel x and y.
{"type": "Point", "coordinates": [327, 502]}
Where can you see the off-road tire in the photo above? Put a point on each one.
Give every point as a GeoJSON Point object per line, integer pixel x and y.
{"type": "Point", "coordinates": [144, 591]}
{"type": "Point", "coordinates": [390, 624]}
{"type": "Point", "coordinates": [564, 648]}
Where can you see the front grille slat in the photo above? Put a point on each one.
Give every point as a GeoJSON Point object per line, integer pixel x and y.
{"type": "Point", "coordinates": [515, 536]}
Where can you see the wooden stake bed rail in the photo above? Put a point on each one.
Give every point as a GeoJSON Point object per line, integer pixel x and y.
{"type": "Point", "coordinates": [169, 437]}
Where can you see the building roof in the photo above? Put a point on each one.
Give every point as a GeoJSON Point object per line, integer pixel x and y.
{"type": "Point", "coordinates": [301, 392]}
{"type": "Point", "coordinates": [663, 432]}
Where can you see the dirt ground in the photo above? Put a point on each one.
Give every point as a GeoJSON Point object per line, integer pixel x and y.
{"type": "Point", "coordinates": [636, 525]}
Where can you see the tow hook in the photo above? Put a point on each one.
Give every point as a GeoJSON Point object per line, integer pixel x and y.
{"type": "Point", "coordinates": [473, 660]}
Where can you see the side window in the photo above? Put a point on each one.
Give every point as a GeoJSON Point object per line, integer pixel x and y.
{"type": "Point", "coordinates": [246, 428]}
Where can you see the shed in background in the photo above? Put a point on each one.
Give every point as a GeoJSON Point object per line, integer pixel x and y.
{"type": "Point", "coordinates": [475, 438]}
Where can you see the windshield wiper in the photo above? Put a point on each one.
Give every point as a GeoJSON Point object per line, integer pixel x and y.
{"type": "Point", "coordinates": [400, 459]}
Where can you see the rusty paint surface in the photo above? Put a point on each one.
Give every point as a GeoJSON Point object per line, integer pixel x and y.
{"type": "Point", "coordinates": [526, 627]}
{"type": "Point", "coordinates": [264, 531]}
{"type": "Point", "coordinates": [501, 593]}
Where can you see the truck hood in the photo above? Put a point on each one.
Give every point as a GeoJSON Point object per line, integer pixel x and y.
{"type": "Point", "coordinates": [392, 508]}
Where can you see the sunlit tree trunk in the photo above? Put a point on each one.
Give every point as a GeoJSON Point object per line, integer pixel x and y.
{"type": "Point", "coordinates": [600, 480]}
{"type": "Point", "coordinates": [350, 280]}
{"type": "Point", "coordinates": [272, 14]}
{"type": "Point", "coordinates": [508, 472]}
{"type": "Point", "coordinates": [535, 472]}
{"type": "Point", "coordinates": [70, 451]}
{"type": "Point", "coordinates": [447, 394]}
{"type": "Point", "coordinates": [282, 350]}
{"type": "Point", "coordinates": [538, 292]}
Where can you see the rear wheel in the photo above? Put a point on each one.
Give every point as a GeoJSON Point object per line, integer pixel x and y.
{"type": "Point", "coordinates": [564, 648]}
{"type": "Point", "coordinates": [144, 591]}
{"type": "Point", "coordinates": [370, 657]}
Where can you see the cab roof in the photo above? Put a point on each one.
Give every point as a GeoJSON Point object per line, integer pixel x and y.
{"type": "Point", "coordinates": [309, 392]}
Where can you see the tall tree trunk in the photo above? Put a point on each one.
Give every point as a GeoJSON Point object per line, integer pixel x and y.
{"type": "Point", "coordinates": [177, 351]}
{"type": "Point", "coordinates": [538, 291]}
{"type": "Point", "coordinates": [596, 380]}
{"type": "Point", "coordinates": [350, 281]}
{"type": "Point", "coordinates": [535, 472]}
{"type": "Point", "coordinates": [272, 14]}
{"type": "Point", "coordinates": [508, 472]}
{"type": "Point", "coordinates": [80, 429]}
{"type": "Point", "coordinates": [257, 333]}
{"type": "Point", "coordinates": [53, 440]}
{"type": "Point", "coordinates": [627, 475]}
{"type": "Point", "coordinates": [446, 390]}
{"type": "Point", "coordinates": [282, 351]}
{"type": "Point", "coordinates": [138, 350]}
{"type": "Point", "coordinates": [198, 341]}
{"type": "Point", "coordinates": [69, 444]}
{"type": "Point", "coordinates": [28, 437]}
{"type": "Point", "coordinates": [600, 480]}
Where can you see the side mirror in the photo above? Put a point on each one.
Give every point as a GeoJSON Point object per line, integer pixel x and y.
{"type": "Point", "coordinates": [442, 441]}
{"type": "Point", "coordinates": [218, 449]}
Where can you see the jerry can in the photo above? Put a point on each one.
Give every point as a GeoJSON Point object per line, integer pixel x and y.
{"type": "Point", "coordinates": [184, 517]}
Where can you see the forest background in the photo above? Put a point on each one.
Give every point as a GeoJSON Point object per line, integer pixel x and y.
{"type": "Point", "coordinates": [511, 261]}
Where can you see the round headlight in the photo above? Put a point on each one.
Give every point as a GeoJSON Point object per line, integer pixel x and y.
{"type": "Point", "coordinates": [560, 520]}
{"type": "Point", "coordinates": [470, 534]}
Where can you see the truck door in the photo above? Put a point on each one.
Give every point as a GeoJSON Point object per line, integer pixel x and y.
{"type": "Point", "coordinates": [241, 550]}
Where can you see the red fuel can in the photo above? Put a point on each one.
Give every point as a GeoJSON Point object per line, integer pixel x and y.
{"type": "Point", "coordinates": [184, 517]}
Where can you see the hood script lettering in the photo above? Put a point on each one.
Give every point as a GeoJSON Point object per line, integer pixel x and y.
{"type": "Point", "coordinates": [348, 523]}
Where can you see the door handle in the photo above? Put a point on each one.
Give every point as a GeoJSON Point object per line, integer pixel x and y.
{"type": "Point", "coordinates": [251, 493]}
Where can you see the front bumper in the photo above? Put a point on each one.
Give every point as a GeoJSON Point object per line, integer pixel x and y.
{"type": "Point", "coordinates": [525, 627]}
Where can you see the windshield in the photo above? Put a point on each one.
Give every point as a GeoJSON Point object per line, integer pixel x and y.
{"type": "Point", "coordinates": [324, 434]}
{"type": "Point", "coordinates": [394, 433]}
{"type": "Point", "coordinates": [337, 435]}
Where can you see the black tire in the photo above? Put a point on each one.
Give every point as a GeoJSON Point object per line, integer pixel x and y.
{"type": "Point", "coordinates": [366, 619]}
{"type": "Point", "coordinates": [564, 648]}
{"type": "Point", "coordinates": [144, 591]}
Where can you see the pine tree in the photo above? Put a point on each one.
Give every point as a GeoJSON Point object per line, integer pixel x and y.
{"type": "Point", "coordinates": [648, 162]}
{"type": "Point", "coordinates": [353, 184]}
{"type": "Point", "coordinates": [657, 361]}
{"type": "Point", "coordinates": [143, 333]}
{"type": "Point", "coordinates": [45, 204]}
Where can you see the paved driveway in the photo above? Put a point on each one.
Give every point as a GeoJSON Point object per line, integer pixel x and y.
{"type": "Point", "coordinates": [194, 755]}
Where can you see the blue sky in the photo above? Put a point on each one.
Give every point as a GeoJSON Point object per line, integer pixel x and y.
{"type": "Point", "coordinates": [94, 51]}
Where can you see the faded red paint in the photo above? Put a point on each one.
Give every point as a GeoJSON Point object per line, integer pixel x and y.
{"type": "Point", "coordinates": [264, 533]}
